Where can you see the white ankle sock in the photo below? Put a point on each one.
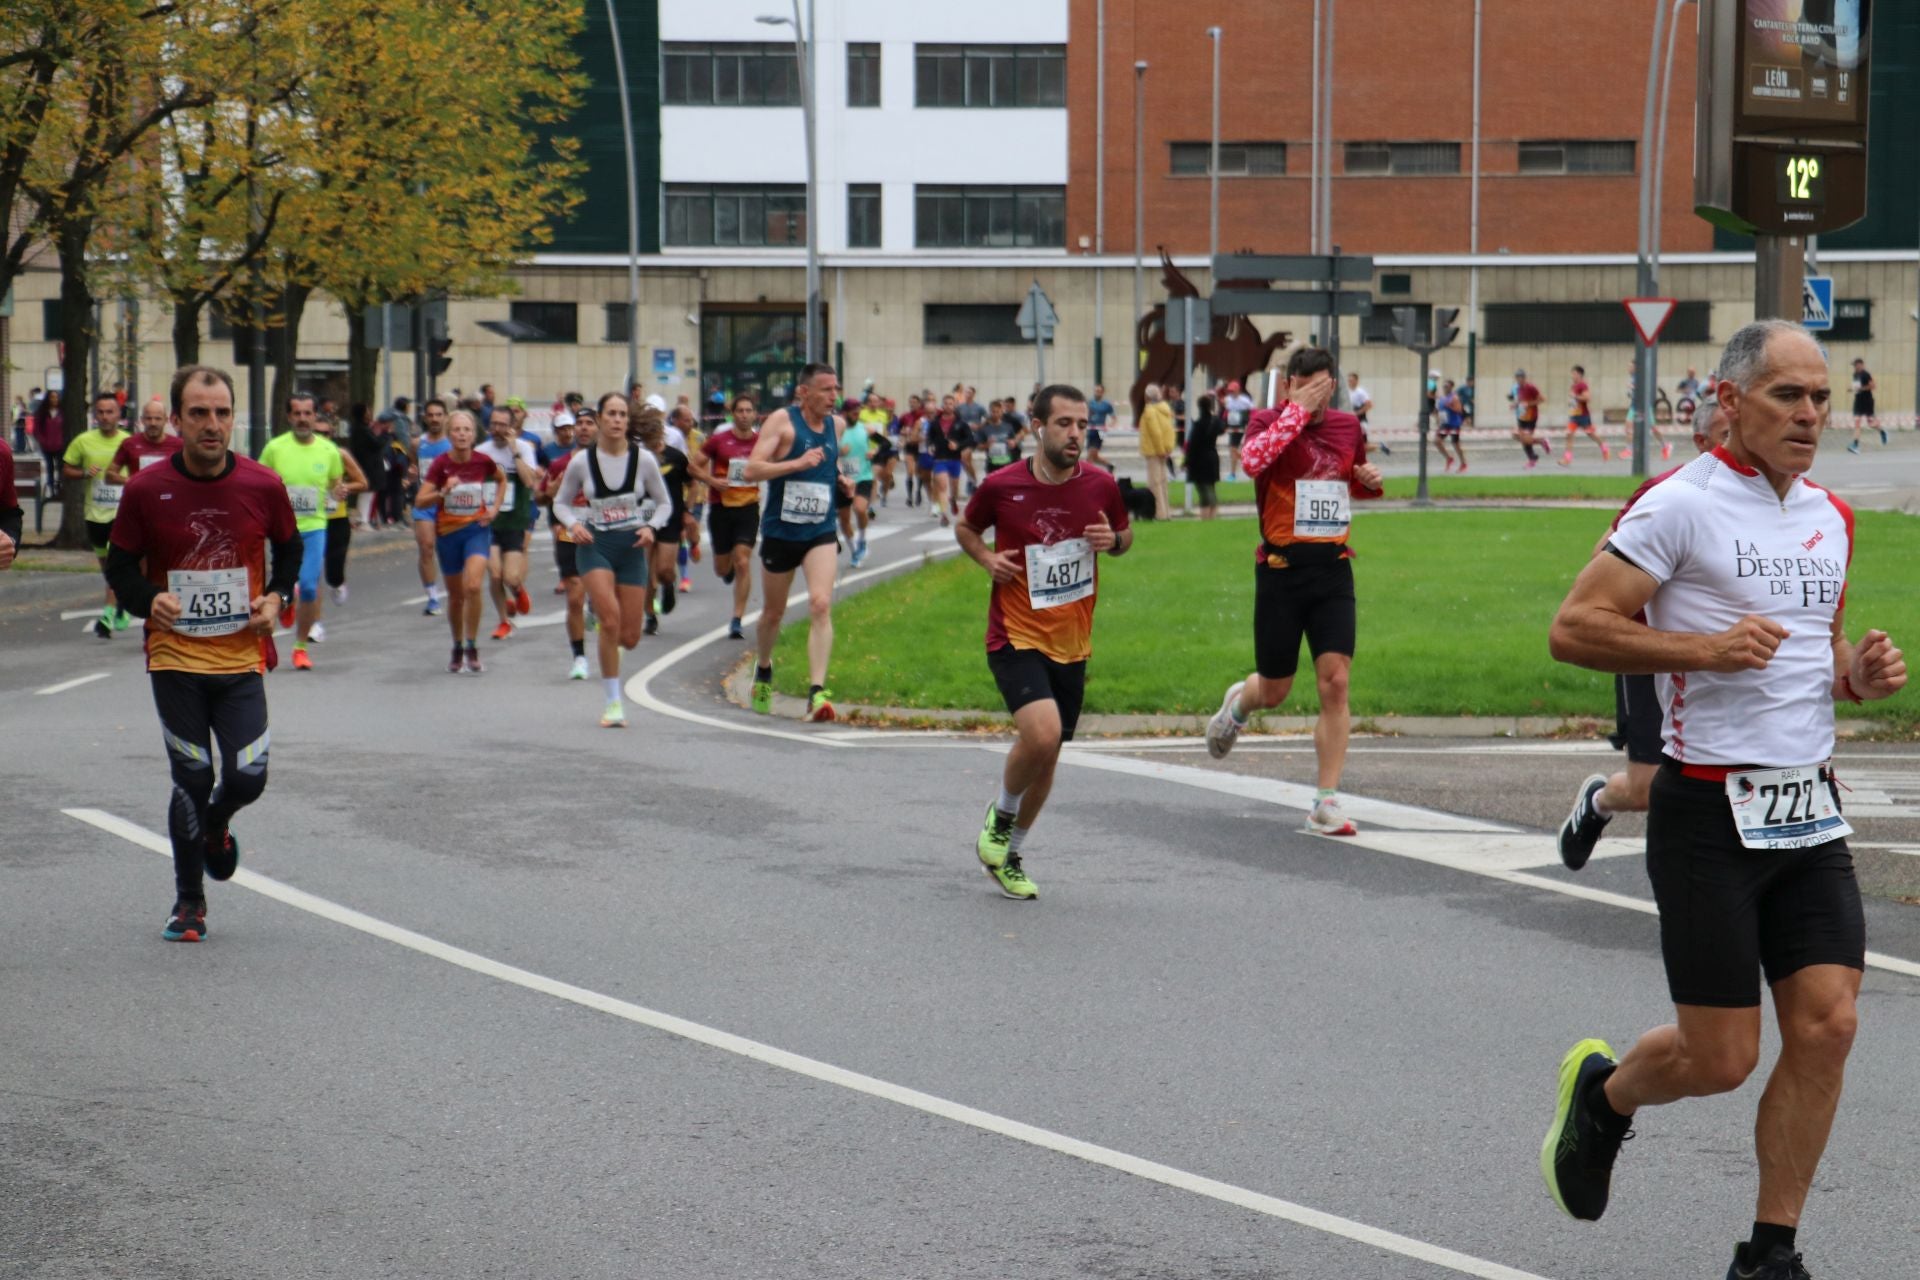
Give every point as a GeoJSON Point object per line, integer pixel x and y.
{"type": "Point", "coordinates": [1009, 801]}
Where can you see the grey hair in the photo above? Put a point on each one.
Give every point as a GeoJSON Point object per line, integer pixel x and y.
{"type": "Point", "coordinates": [468, 415]}
{"type": "Point", "coordinates": [1704, 419]}
{"type": "Point", "coordinates": [1744, 362]}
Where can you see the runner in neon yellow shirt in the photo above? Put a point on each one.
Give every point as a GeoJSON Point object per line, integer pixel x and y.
{"type": "Point", "coordinates": [88, 457]}
{"type": "Point", "coordinates": [310, 466]}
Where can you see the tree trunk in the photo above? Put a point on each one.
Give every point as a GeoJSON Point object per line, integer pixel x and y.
{"type": "Point", "coordinates": [186, 332]}
{"type": "Point", "coordinates": [76, 332]}
{"type": "Point", "coordinates": [285, 350]}
{"type": "Point", "coordinates": [362, 361]}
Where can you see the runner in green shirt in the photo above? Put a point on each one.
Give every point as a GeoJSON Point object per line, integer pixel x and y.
{"type": "Point", "coordinates": [856, 464]}
{"type": "Point", "coordinates": [89, 457]}
{"type": "Point", "coordinates": [310, 466]}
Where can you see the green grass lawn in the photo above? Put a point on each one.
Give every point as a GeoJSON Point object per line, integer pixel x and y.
{"type": "Point", "coordinates": [1454, 609]}
{"type": "Point", "coordinates": [1441, 486]}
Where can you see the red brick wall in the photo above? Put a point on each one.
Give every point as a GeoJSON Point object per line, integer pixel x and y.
{"type": "Point", "coordinates": [1404, 74]}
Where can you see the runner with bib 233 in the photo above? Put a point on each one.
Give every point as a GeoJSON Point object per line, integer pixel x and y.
{"type": "Point", "coordinates": [1308, 464]}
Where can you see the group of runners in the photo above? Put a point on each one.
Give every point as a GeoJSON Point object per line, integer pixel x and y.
{"type": "Point", "coordinates": [1722, 583]}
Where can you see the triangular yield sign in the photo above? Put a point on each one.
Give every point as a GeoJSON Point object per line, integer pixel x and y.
{"type": "Point", "coordinates": [1650, 316]}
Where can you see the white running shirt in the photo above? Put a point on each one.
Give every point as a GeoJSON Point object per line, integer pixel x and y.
{"type": "Point", "coordinates": [1723, 545]}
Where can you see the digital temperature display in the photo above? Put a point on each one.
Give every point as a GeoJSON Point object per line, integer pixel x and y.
{"type": "Point", "coordinates": [1802, 180]}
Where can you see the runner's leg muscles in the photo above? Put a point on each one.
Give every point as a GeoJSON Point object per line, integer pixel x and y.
{"type": "Point", "coordinates": [606, 607]}
{"type": "Point", "coordinates": [473, 581]}
{"type": "Point", "coordinates": [240, 725]}
{"type": "Point", "coordinates": [742, 579]}
{"type": "Point", "coordinates": [1816, 1008]}
{"type": "Point", "coordinates": [773, 608]}
{"type": "Point", "coordinates": [1030, 764]}
{"type": "Point", "coordinates": [1335, 723]}
{"type": "Point", "coordinates": [820, 566]}
{"type": "Point", "coordinates": [186, 727]}
{"type": "Point", "coordinates": [1706, 1050]}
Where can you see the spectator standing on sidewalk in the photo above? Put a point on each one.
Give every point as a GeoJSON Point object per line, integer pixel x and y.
{"type": "Point", "coordinates": [1156, 447]}
{"type": "Point", "coordinates": [1203, 458]}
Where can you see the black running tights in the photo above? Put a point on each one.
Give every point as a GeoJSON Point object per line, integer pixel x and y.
{"type": "Point", "coordinates": [195, 710]}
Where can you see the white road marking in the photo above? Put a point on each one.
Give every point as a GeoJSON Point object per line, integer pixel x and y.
{"type": "Point", "coordinates": [65, 685]}
{"type": "Point", "coordinates": [827, 1073]}
{"type": "Point", "coordinates": [68, 615]}
{"type": "Point", "coordinates": [877, 532]}
{"type": "Point", "coordinates": [544, 620]}
{"type": "Point", "coordinates": [934, 535]}
{"type": "Point", "coordinates": [415, 600]}
{"type": "Point", "coordinates": [1881, 793]}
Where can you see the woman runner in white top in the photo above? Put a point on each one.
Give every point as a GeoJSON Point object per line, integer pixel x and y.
{"type": "Point", "coordinates": [614, 536]}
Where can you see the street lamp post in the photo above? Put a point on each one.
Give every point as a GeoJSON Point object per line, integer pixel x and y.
{"type": "Point", "coordinates": [1213, 160]}
{"type": "Point", "coordinates": [1653, 164]}
{"type": "Point", "coordinates": [803, 44]}
{"type": "Point", "coordinates": [1139, 204]}
{"type": "Point", "coordinates": [1100, 191]}
{"type": "Point", "coordinates": [633, 206]}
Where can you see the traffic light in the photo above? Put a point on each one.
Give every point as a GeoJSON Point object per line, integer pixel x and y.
{"type": "Point", "coordinates": [440, 361]}
{"type": "Point", "coordinates": [1406, 326]}
{"type": "Point", "coordinates": [1444, 328]}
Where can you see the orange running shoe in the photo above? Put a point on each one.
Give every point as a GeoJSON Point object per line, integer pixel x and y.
{"type": "Point", "coordinates": [502, 631]}
{"type": "Point", "coordinates": [286, 616]}
{"type": "Point", "coordinates": [301, 662]}
{"type": "Point", "coordinates": [522, 601]}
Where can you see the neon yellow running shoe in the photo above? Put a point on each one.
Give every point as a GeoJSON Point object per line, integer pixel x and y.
{"type": "Point", "coordinates": [1012, 879]}
{"type": "Point", "coordinates": [1577, 1156]}
{"type": "Point", "coordinates": [820, 706]}
{"type": "Point", "coordinates": [994, 835]}
{"type": "Point", "coordinates": [763, 696]}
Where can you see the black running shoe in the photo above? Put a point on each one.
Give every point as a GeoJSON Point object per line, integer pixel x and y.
{"type": "Point", "coordinates": [667, 597]}
{"type": "Point", "coordinates": [653, 624]}
{"type": "Point", "coordinates": [734, 632]}
{"type": "Point", "coordinates": [223, 856]}
{"type": "Point", "coordinates": [102, 630]}
{"type": "Point", "coordinates": [1577, 1157]}
{"type": "Point", "coordinates": [1581, 831]}
{"type": "Point", "coordinates": [187, 923]}
{"type": "Point", "coordinates": [1781, 1263]}
{"type": "Point", "coordinates": [728, 576]}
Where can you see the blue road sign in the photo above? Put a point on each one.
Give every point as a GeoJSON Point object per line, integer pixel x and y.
{"type": "Point", "coordinates": [1816, 303]}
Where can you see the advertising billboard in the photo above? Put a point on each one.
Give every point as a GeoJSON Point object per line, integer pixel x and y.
{"type": "Point", "coordinates": [1803, 65]}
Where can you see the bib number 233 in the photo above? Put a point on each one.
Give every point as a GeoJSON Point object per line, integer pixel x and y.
{"type": "Point", "coordinates": [805, 502]}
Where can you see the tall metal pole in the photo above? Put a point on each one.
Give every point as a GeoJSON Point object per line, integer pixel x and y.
{"type": "Point", "coordinates": [386, 354]}
{"type": "Point", "coordinates": [1099, 190]}
{"type": "Point", "coordinates": [1643, 425]}
{"type": "Point", "coordinates": [1779, 277]}
{"type": "Point", "coordinates": [1650, 162]}
{"type": "Point", "coordinates": [1139, 205]}
{"type": "Point", "coordinates": [1326, 132]}
{"type": "Point", "coordinates": [1421, 498]}
{"type": "Point", "coordinates": [1473, 219]}
{"type": "Point", "coordinates": [633, 203]}
{"type": "Point", "coordinates": [1213, 165]}
{"type": "Point", "coordinates": [1313, 187]}
{"type": "Point", "coordinates": [805, 41]}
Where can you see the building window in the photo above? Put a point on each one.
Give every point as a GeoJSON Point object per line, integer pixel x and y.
{"type": "Point", "coordinates": [1539, 324]}
{"type": "Point", "coordinates": [556, 321]}
{"type": "Point", "coordinates": [1402, 159]}
{"type": "Point", "coordinates": [1237, 159]}
{"type": "Point", "coordinates": [736, 215]}
{"type": "Point", "coordinates": [863, 215]}
{"type": "Point", "coordinates": [863, 75]}
{"type": "Point", "coordinates": [50, 319]}
{"type": "Point", "coordinates": [1399, 282]}
{"type": "Point", "coordinates": [1576, 157]}
{"type": "Point", "coordinates": [1377, 329]}
{"type": "Point", "coordinates": [1852, 321]}
{"type": "Point", "coordinates": [729, 75]}
{"type": "Point", "coordinates": [990, 217]}
{"type": "Point", "coordinates": [971, 324]}
{"type": "Point", "coordinates": [618, 317]}
{"type": "Point", "coordinates": [219, 325]}
{"type": "Point", "coordinates": [1005, 75]}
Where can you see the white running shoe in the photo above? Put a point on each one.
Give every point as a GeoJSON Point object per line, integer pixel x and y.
{"type": "Point", "coordinates": [340, 594]}
{"type": "Point", "coordinates": [1223, 730]}
{"type": "Point", "coordinates": [1327, 819]}
{"type": "Point", "coordinates": [615, 716]}
{"type": "Point", "coordinates": [319, 633]}
{"type": "Point", "coordinates": [579, 668]}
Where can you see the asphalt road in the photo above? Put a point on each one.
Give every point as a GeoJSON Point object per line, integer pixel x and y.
{"type": "Point", "coordinates": [437, 1029]}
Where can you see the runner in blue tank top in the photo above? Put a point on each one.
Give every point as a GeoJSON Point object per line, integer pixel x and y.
{"type": "Point", "coordinates": [797, 453]}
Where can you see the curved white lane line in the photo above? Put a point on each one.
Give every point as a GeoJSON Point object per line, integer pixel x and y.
{"type": "Point", "coordinates": [827, 1073]}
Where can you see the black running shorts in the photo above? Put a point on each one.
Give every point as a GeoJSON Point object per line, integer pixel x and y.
{"type": "Point", "coordinates": [1311, 601]}
{"type": "Point", "coordinates": [1027, 675]}
{"type": "Point", "coordinates": [1637, 719]}
{"type": "Point", "coordinates": [783, 555]}
{"type": "Point", "coordinates": [510, 539]}
{"type": "Point", "coordinates": [732, 527]}
{"type": "Point", "coordinates": [566, 559]}
{"type": "Point", "coordinates": [1729, 913]}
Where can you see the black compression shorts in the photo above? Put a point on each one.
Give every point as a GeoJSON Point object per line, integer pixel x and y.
{"type": "Point", "coordinates": [1637, 719]}
{"type": "Point", "coordinates": [1311, 601]}
{"type": "Point", "coordinates": [1728, 913]}
{"type": "Point", "coordinates": [783, 555]}
{"type": "Point", "coordinates": [1027, 675]}
{"type": "Point", "coordinates": [566, 558]}
{"type": "Point", "coordinates": [732, 527]}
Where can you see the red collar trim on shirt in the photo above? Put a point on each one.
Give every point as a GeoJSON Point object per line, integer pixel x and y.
{"type": "Point", "coordinates": [1720, 452]}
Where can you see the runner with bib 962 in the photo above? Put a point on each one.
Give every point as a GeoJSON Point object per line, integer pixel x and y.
{"type": "Point", "coordinates": [1050, 516]}
{"type": "Point", "coordinates": [1740, 564]}
{"type": "Point", "coordinates": [1308, 464]}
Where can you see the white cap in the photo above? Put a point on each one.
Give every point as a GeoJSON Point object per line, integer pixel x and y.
{"type": "Point", "coordinates": [562, 419]}
{"type": "Point", "coordinates": [657, 401]}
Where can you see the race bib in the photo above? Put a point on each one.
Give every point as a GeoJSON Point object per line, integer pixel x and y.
{"type": "Point", "coordinates": [1059, 574]}
{"type": "Point", "coordinates": [850, 467]}
{"type": "Point", "coordinates": [213, 602]}
{"type": "Point", "coordinates": [104, 494]}
{"type": "Point", "coordinates": [1321, 508]}
{"type": "Point", "coordinates": [1784, 808]}
{"type": "Point", "coordinates": [997, 451]}
{"type": "Point", "coordinates": [615, 511]}
{"type": "Point", "coordinates": [305, 499]}
{"type": "Point", "coordinates": [506, 502]}
{"type": "Point", "coordinates": [737, 474]}
{"type": "Point", "coordinates": [805, 502]}
{"type": "Point", "coordinates": [464, 500]}
{"type": "Point", "coordinates": [1236, 418]}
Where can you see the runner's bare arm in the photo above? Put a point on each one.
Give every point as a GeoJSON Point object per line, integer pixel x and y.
{"type": "Point", "coordinates": [354, 479]}
{"type": "Point", "coordinates": [1004, 566]}
{"type": "Point", "coordinates": [775, 438]}
{"type": "Point", "coordinates": [1595, 629]}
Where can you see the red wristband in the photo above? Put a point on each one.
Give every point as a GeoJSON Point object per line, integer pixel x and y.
{"type": "Point", "coordinates": [1846, 688]}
